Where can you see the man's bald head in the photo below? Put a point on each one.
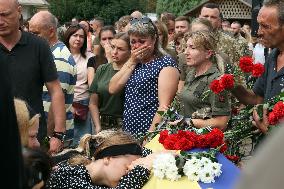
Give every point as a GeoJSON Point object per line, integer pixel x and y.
{"type": "Point", "coordinates": [10, 18]}
{"type": "Point", "coordinates": [44, 24]}
{"type": "Point", "coordinates": [44, 18]}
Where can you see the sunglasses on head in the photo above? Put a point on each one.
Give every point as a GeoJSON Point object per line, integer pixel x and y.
{"type": "Point", "coordinates": [144, 20]}
{"type": "Point", "coordinates": [76, 26]}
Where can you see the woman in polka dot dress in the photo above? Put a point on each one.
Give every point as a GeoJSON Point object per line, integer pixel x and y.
{"type": "Point", "coordinates": [150, 78]}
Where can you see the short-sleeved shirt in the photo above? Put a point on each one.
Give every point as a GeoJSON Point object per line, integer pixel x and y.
{"type": "Point", "coordinates": [81, 91]}
{"type": "Point", "coordinates": [271, 82]}
{"type": "Point", "coordinates": [31, 66]}
{"type": "Point", "coordinates": [108, 104]}
{"type": "Point", "coordinates": [96, 61]}
{"type": "Point", "coordinates": [66, 70]}
{"type": "Point", "coordinates": [141, 95]}
{"type": "Point", "coordinates": [193, 93]}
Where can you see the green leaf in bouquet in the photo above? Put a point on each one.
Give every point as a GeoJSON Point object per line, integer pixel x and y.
{"type": "Point", "coordinates": [281, 95]}
{"type": "Point", "coordinates": [161, 113]}
{"type": "Point", "coordinates": [259, 109]}
{"type": "Point", "coordinates": [205, 95]}
{"type": "Point", "coordinates": [183, 153]}
{"type": "Point", "coordinates": [251, 110]}
{"type": "Point", "coordinates": [180, 161]}
{"type": "Point", "coordinates": [266, 106]}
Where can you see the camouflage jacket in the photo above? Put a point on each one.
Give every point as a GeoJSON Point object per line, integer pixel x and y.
{"type": "Point", "coordinates": [228, 45]}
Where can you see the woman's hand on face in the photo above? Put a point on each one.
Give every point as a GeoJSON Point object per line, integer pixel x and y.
{"type": "Point", "coordinates": [140, 53]}
{"type": "Point", "coordinates": [108, 50]}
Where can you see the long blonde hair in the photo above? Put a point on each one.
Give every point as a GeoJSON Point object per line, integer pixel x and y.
{"type": "Point", "coordinates": [90, 145]}
{"type": "Point", "coordinates": [24, 121]}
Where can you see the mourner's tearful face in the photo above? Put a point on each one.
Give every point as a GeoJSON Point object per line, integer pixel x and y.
{"type": "Point", "coordinates": [270, 31]}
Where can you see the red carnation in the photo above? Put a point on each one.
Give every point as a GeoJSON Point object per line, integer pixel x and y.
{"type": "Point", "coordinates": [277, 113]}
{"type": "Point", "coordinates": [257, 70]}
{"type": "Point", "coordinates": [233, 158]}
{"type": "Point", "coordinates": [216, 87]}
{"type": "Point", "coordinates": [227, 81]}
{"type": "Point", "coordinates": [184, 144]}
{"type": "Point", "coordinates": [223, 148]}
{"type": "Point", "coordinates": [246, 64]}
{"type": "Point", "coordinates": [163, 135]}
{"type": "Point", "coordinates": [272, 118]}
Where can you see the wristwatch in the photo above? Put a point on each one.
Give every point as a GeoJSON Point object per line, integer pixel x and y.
{"type": "Point", "coordinates": [59, 135]}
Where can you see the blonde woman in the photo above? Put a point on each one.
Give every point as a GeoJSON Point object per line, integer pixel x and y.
{"type": "Point", "coordinates": [214, 110]}
{"type": "Point", "coordinates": [28, 124]}
{"type": "Point", "coordinates": [106, 162]}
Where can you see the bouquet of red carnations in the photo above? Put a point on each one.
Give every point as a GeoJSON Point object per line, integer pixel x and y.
{"type": "Point", "coordinates": [227, 81]}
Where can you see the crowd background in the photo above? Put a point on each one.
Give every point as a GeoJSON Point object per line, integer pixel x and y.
{"type": "Point", "coordinates": [77, 73]}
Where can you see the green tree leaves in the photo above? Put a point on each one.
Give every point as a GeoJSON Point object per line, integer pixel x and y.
{"type": "Point", "coordinates": [177, 7]}
{"type": "Point", "coordinates": [110, 10]}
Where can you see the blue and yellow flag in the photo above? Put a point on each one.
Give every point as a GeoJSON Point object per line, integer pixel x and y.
{"type": "Point", "coordinates": [227, 180]}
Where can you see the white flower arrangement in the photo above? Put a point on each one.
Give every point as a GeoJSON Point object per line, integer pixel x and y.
{"type": "Point", "coordinates": [164, 166]}
{"type": "Point", "coordinates": [203, 169]}
{"type": "Point", "coordinates": [196, 169]}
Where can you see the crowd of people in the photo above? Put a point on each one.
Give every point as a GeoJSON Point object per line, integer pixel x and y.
{"type": "Point", "coordinates": [85, 90]}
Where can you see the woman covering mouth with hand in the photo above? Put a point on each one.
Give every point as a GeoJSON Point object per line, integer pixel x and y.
{"type": "Point", "coordinates": [150, 78]}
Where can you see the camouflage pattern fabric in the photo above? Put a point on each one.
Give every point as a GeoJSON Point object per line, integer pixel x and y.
{"type": "Point", "coordinates": [228, 45]}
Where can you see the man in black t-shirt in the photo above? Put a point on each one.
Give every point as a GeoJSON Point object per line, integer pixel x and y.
{"type": "Point", "coordinates": [31, 66]}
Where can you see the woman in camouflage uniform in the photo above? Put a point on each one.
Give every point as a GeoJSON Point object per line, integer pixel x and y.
{"type": "Point", "coordinates": [213, 110]}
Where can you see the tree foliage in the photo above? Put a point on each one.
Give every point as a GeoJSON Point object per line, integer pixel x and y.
{"type": "Point", "coordinates": [177, 7]}
{"type": "Point", "coordinates": [110, 10]}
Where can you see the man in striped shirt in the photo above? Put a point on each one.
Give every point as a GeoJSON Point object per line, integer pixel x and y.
{"type": "Point", "coordinates": [44, 24]}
